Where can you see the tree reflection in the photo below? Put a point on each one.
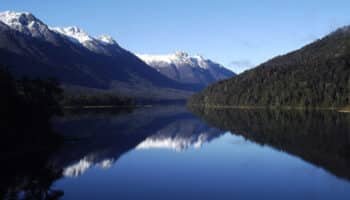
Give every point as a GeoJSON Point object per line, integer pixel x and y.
{"type": "Point", "coordinates": [320, 137]}
{"type": "Point", "coordinates": [28, 177]}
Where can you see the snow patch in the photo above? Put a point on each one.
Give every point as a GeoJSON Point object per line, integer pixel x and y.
{"type": "Point", "coordinates": [78, 35]}
{"type": "Point", "coordinates": [83, 165]}
{"type": "Point", "coordinates": [174, 143]}
{"type": "Point", "coordinates": [178, 59]}
{"type": "Point", "coordinates": [107, 39]}
{"type": "Point", "coordinates": [74, 32]}
{"type": "Point", "coordinates": [26, 23]}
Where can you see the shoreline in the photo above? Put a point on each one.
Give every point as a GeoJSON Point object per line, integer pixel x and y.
{"type": "Point", "coordinates": [104, 106]}
{"type": "Point", "coordinates": [338, 109]}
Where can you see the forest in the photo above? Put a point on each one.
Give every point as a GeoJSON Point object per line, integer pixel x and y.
{"type": "Point", "coordinates": [27, 106]}
{"type": "Point", "coordinates": [316, 76]}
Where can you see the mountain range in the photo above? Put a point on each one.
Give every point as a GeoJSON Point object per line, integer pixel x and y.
{"type": "Point", "coordinates": [184, 68]}
{"type": "Point", "coordinates": [315, 76]}
{"type": "Point", "coordinates": [81, 62]}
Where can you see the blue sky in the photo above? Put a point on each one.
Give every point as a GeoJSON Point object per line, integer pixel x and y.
{"type": "Point", "coordinates": [238, 34]}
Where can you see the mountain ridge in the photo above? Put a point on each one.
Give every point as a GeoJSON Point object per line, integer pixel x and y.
{"type": "Point", "coordinates": [184, 68]}
{"type": "Point", "coordinates": [39, 52]}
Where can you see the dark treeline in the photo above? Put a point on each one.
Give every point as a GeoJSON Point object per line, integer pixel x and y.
{"type": "Point", "coordinates": [97, 100]}
{"type": "Point", "coordinates": [317, 75]}
{"type": "Point", "coordinates": [322, 138]}
{"type": "Point", "coordinates": [26, 107]}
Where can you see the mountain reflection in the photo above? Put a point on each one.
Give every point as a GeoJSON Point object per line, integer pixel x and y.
{"type": "Point", "coordinates": [84, 164]}
{"type": "Point", "coordinates": [100, 139]}
{"type": "Point", "coordinates": [180, 135]}
{"type": "Point", "coordinates": [319, 137]}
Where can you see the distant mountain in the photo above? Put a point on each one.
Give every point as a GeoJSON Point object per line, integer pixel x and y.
{"type": "Point", "coordinates": [84, 64]}
{"type": "Point", "coordinates": [187, 69]}
{"type": "Point", "coordinates": [317, 75]}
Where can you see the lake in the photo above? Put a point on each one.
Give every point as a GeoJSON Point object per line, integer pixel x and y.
{"type": "Point", "coordinates": [168, 152]}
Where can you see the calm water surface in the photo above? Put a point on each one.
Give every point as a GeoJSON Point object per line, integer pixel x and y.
{"type": "Point", "coordinates": [170, 153]}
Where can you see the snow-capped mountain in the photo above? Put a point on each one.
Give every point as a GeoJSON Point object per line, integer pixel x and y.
{"type": "Point", "coordinates": [179, 59]}
{"type": "Point", "coordinates": [107, 39]}
{"type": "Point", "coordinates": [81, 62]}
{"type": "Point", "coordinates": [76, 34]}
{"type": "Point", "coordinates": [28, 24]}
{"type": "Point", "coordinates": [187, 69]}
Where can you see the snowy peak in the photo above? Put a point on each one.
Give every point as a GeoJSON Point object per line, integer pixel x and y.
{"type": "Point", "coordinates": [165, 58]}
{"type": "Point", "coordinates": [168, 58]}
{"type": "Point", "coordinates": [184, 68]}
{"type": "Point", "coordinates": [74, 33]}
{"type": "Point", "coordinates": [18, 19]}
{"type": "Point", "coordinates": [26, 23]}
{"type": "Point", "coordinates": [78, 35]}
{"type": "Point", "coordinates": [179, 59]}
{"type": "Point", "coordinates": [107, 39]}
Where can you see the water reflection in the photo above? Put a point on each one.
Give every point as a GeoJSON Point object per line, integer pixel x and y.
{"type": "Point", "coordinates": [104, 137]}
{"type": "Point", "coordinates": [319, 137]}
{"type": "Point", "coordinates": [27, 176]}
{"type": "Point", "coordinates": [180, 135]}
{"type": "Point", "coordinates": [167, 147]}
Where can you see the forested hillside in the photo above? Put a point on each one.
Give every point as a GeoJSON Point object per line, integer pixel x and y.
{"type": "Point", "coordinates": [318, 75]}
